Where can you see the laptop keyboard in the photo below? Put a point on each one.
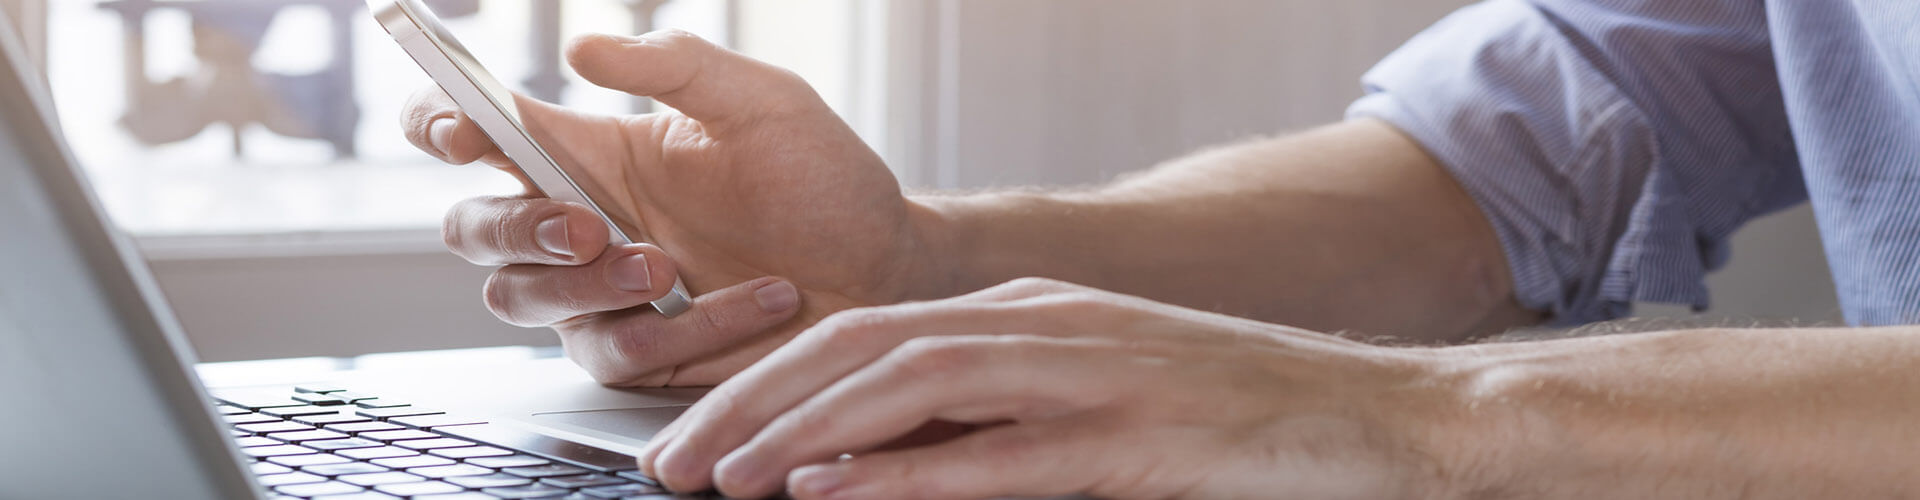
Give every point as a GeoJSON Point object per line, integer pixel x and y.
{"type": "Point", "coordinates": [326, 442]}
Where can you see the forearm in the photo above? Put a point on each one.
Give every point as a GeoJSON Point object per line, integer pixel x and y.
{"type": "Point", "coordinates": [1696, 414]}
{"type": "Point", "coordinates": [1348, 227]}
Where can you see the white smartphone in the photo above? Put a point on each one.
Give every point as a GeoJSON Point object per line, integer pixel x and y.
{"type": "Point", "coordinates": [491, 106]}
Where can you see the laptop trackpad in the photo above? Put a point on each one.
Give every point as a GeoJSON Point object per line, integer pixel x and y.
{"type": "Point", "coordinates": [637, 423]}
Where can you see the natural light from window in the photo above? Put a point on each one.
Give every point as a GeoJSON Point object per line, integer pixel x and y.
{"type": "Point", "coordinates": [166, 163]}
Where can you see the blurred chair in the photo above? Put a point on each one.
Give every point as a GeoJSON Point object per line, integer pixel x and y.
{"type": "Point", "coordinates": [227, 89]}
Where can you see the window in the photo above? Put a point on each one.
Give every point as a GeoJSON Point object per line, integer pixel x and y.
{"type": "Point", "coordinates": [223, 117]}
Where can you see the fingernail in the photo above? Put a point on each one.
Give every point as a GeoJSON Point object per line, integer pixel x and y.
{"type": "Point", "coordinates": [817, 480]}
{"type": "Point", "coordinates": [552, 236]}
{"type": "Point", "coordinates": [440, 134]}
{"type": "Point", "coordinates": [776, 296]}
{"type": "Point", "coordinates": [630, 273]}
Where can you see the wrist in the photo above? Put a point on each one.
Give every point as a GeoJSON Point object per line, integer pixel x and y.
{"type": "Point", "coordinates": [935, 253]}
{"type": "Point", "coordinates": [960, 240]}
{"type": "Point", "coordinates": [1478, 432]}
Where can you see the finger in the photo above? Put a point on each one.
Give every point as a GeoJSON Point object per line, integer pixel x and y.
{"type": "Point", "coordinates": [497, 230]}
{"type": "Point", "coordinates": [540, 295]}
{"type": "Point", "coordinates": [705, 82]}
{"type": "Point", "coordinates": [433, 123]}
{"type": "Point", "coordinates": [1042, 459]}
{"type": "Point", "coordinates": [637, 347]}
{"type": "Point", "coordinates": [967, 379]}
{"type": "Point", "coordinates": [838, 345]}
{"type": "Point", "coordinates": [731, 414]}
{"type": "Point", "coordinates": [436, 125]}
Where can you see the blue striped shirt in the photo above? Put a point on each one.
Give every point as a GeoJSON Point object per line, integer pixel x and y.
{"type": "Point", "coordinates": [1615, 145]}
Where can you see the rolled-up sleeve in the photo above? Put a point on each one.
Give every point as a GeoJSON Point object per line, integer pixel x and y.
{"type": "Point", "coordinates": [1614, 150]}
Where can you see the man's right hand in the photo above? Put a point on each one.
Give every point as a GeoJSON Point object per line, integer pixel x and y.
{"type": "Point", "coordinates": [752, 177]}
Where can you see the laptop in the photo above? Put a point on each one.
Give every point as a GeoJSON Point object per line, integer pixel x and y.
{"type": "Point", "coordinates": [101, 399]}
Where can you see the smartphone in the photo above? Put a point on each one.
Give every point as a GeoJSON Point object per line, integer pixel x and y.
{"type": "Point", "coordinates": [491, 106]}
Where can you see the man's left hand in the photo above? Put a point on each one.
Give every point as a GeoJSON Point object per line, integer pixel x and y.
{"type": "Point", "coordinates": [1066, 390]}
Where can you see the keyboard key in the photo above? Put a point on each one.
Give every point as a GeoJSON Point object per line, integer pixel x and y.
{"type": "Point", "coordinates": [549, 470]}
{"type": "Point", "coordinates": [472, 452]}
{"type": "Point", "coordinates": [417, 489]}
{"type": "Point", "coordinates": [431, 444]}
{"type": "Point", "coordinates": [268, 468]}
{"type": "Point", "coordinates": [312, 435]}
{"type": "Point", "coordinates": [277, 451]}
{"type": "Point", "coordinates": [295, 411]}
{"type": "Point", "coordinates": [330, 419]}
{"type": "Point", "coordinates": [546, 446]}
{"type": "Point", "coordinates": [527, 491]}
{"type": "Point", "coordinates": [249, 418]}
{"type": "Point", "coordinates": [289, 478]}
{"type": "Point", "coordinates": [318, 388]}
{"type": "Point", "coordinates": [411, 462]}
{"type": "Point", "coordinates": [446, 471]}
{"type": "Point", "coordinates": [319, 399]}
{"type": "Point", "coordinates": [502, 462]}
{"type": "Point", "coordinates": [364, 495]}
{"type": "Point", "coordinates": [239, 433]}
{"type": "Point", "coordinates": [471, 495]}
{"type": "Point", "coordinates": [254, 399]}
{"type": "Point", "coordinates": [379, 478]}
{"type": "Point", "coordinates": [306, 460]}
{"type": "Point", "coordinates": [634, 475]}
{"type": "Point", "coordinates": [331, 470]}
{"type": "Point", "coordinates": [343, 444]}
{"type": "Point", "coordinates": [398, 435]}
{"type": "Point", "coordinates": [489, 481]}
{"type": "Point", "coordinates": [272, 427]}
{"type": "Point", "coordinates": [358, 427]}
{"type": "Point", "coordinates": [380, 403]}
{"type": "Point", "coordinates": [252, 441]}
{"type": "Point", "coordinates": [317, 489]}
{"type": "Point", "coordinates": [575, 482]}
{"type": "Point", "coordinates": [380, 452]}
{"type": "Point", "coordinates": [623, 490]}
{"type": "Point", "coordinates": [352, 397]}
{"type": "Point", "coordinates": [403, 411]}
{"type": "Point", "coordinates": [226, 409]}
{"type": "Point", "coordinates": [431, 421]}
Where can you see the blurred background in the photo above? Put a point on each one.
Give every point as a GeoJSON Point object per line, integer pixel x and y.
{"type": "Point", "coordinates": [253, 147]}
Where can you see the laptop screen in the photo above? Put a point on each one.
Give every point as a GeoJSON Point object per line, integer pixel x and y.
{"type": "Point", "coordinates": [99, 400]}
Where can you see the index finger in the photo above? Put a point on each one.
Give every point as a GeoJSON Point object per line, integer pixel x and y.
{"type": "Point", "coordinates": [435, 125]}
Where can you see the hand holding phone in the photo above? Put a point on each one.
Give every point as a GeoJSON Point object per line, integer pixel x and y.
{"type": "Point", "coordinates": [491, 106]}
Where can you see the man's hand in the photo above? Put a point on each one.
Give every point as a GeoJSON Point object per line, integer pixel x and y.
{"type": "Point", "coordinates": [1080, 391]}
{"type": "Point", "coordinates": [754, 176]}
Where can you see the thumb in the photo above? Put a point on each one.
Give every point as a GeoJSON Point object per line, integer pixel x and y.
{"type": "Point", "coordinates": [706, 82]}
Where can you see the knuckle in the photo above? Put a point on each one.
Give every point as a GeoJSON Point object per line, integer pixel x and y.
{"type": "Point", "coordinates": [453, 227]}
{"type": "Point", "coordinates": [935, 357]}
{"type": "Point", "coordinates": [498, 295]}
{"type": "Point", "coordinates": [852, 327]}
{"type": "Point", "coordinates": [634, 345]}
{"type": "Point", "coordinates": [1035, 283]}
{"type": "Point", "coordinates": [719, 319]}
{"type": "Point", "coordinates": [511, 224]}
{"type": "Point", "coordinates": [809, 421]}
{"type": "Point", "coordinates": [1066, 305]}
{"type": "Point", "coordinates": [676, 35]}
